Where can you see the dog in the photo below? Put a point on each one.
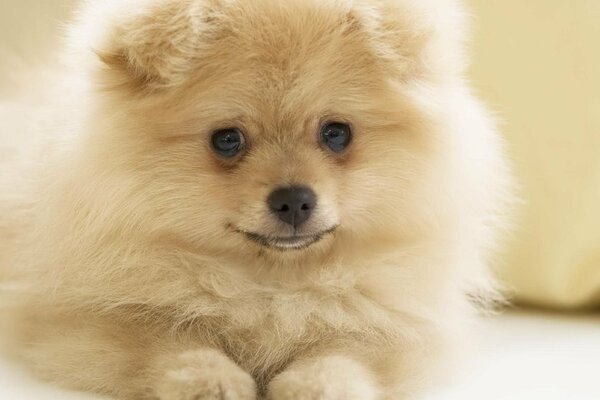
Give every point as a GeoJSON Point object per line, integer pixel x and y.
{"type": "Point", "coordinates": [241, 199]}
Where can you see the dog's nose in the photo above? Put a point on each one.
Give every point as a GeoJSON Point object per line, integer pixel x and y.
{"type": "Point", "coordinates": [293, 205]}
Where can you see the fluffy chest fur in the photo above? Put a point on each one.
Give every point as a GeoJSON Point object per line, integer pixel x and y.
{"type": "Point", "coordinates": [264, 328]}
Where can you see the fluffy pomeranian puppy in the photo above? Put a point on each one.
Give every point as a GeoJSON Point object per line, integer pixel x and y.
{"type": "Point", "coordinates": [241, 199]}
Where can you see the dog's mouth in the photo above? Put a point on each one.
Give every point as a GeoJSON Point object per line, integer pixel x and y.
{"type": "Point", "coordinates": [288, 243]}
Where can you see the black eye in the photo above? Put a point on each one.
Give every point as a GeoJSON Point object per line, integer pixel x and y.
{"type": "Point", "coordinates": [336, 136]}
{"type": "Point", "coordinates": [228, 142]}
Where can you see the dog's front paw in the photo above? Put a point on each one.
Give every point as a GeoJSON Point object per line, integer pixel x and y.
{"type": "Point", "coordinates": [330, 378]}
{"type": "Point", "coordinates": [206, 375]}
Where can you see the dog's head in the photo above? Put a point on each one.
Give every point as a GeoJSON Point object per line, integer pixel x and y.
{"type": "Point", "coordinates": [267, 125]}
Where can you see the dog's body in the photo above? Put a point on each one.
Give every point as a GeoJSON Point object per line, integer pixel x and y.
{"type": "Point", "coordinates": [149, 267]}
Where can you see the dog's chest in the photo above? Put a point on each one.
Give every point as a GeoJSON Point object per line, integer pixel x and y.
{"type": "Point", "coordinates": [265, 332]}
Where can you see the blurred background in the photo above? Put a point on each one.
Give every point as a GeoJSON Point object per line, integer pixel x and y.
{"type": "Point", "coordinates": [536, 63]}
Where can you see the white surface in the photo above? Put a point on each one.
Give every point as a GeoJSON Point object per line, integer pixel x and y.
{"type": "Point", "coordinates": [534, 356]}
{"type": "Point", "coordinates": [524, 357]}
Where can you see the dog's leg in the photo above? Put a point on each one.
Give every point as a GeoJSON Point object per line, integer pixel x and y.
{"type": "Point", "coordinates": [130, 362]}
{"type": "Point", "coordinates": [330, 377]}
{"type": "Point", "coordinates": [203, 374]}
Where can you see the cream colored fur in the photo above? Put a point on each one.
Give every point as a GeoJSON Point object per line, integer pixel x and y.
{"type": "Point", "coordinates": [124, 271]}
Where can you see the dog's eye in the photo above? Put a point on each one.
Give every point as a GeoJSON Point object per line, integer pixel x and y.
{"type": "Point", "coordinates": [336, 136]}
{"type": "Point", "coordinates": [228, 142]}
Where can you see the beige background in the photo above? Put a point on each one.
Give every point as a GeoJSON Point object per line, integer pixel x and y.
{"type": "Point", "coordinates": [537, 63]}
{"type": "Point", "coordinates": [24, 24]}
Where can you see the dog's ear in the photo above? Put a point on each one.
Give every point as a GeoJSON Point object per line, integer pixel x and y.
{"type": "Point", "coordinates": [424, 37]}
{"type": "Point", "coordinates": [154, 44]}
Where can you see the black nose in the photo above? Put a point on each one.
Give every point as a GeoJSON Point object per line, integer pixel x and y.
{"type": "Point", "coordinates": [293, 205]}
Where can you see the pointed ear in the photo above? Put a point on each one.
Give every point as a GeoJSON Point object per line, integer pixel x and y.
{"type": "Point", "coordinates": [424, 38]}
{"type": "Point", "coordinates": [158, 44]}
